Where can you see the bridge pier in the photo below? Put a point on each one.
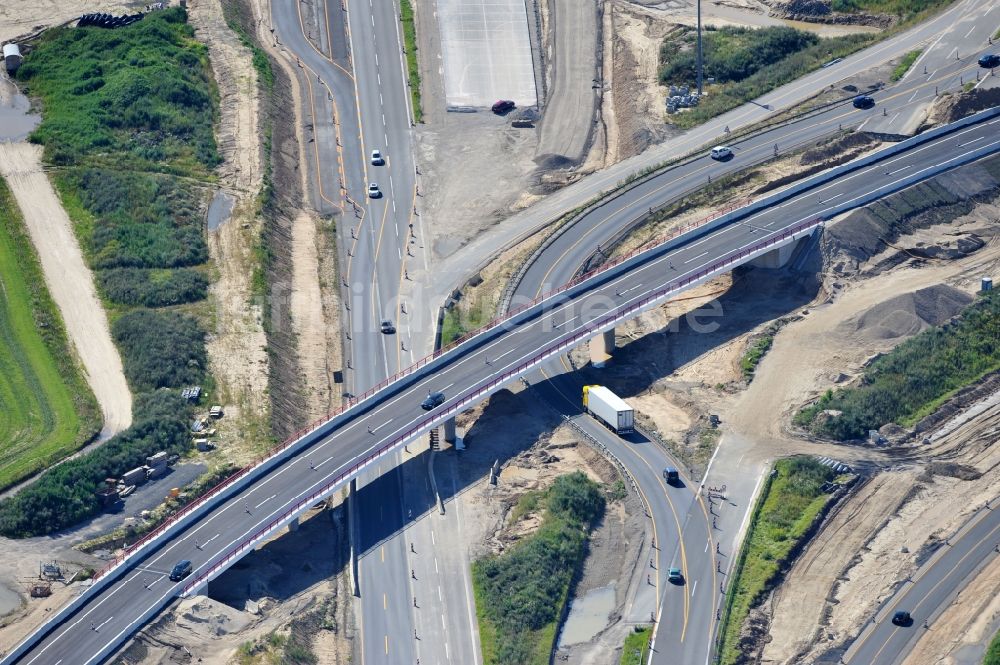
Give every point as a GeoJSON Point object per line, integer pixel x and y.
{"type": "Point", "coordinates": [776, 258]}
{"type": "Point", "coordinates": [294, 524]}
{"type": "Point", "coordinates": [352, 520]}
{"type": "Point", "coordinates": [601, 348]}
{"type": "Point", "coordinates": [450, 433]}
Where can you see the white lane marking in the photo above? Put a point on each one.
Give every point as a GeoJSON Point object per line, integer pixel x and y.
{"type": "Point", "coordinates": [97, 628]}
{"type": "Point", "coordinates": [706, 546]}
{"type": "Point", "coordinates": [323, 462]}
{"type": "Point", "coordinates": [913, 96]}
{"type": "Point", "coordinates": [560, 325]}
{"type": "Point", "coordinates": [150, 585]}
{"type": "Point", "coordinates": [693, 587]}
{"type": "Point", "coordinates": [504, 354]}
{"type": "Point", "coordinates": [436, 565]}
{"type": "Point", "coordinates": [440, 597]}
{"type": "Point", "coordinates": [265, 501]}
{"type": "Point", "coordinates": [695, 258]}
{"type": "Point", "coordinates": [568, 303]}
{"type": "Point", "coordinates": [971, 30]}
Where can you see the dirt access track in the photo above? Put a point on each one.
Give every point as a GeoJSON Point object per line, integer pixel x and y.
{"type": "Point", "coordinates": [69, 280]}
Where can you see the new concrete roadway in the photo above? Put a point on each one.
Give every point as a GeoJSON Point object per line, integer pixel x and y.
{"type": "Point", "coordinates": [484, 364]}
{"type": "Point", "coordinates": [927, 593]}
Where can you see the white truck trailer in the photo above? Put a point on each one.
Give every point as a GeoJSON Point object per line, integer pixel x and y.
{"type": "Point", "coordinates": [609, 408]}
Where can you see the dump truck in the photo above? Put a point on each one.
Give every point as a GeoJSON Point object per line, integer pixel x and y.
{"type": "Point", "coordinates": [609, 408]}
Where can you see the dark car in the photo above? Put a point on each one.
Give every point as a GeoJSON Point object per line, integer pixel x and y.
{"type": "Point", "coordinates": [180, 571]}
{"type": "Point", "coordinates": [864, 102]}
{"type": "Point", "coordinates": [675, 576]}
{"type": "Point", "coordinates": [902, 618]}
{"type": "Point", "coordinates": [502, 106]}
{"type": "Point", "coordinates": [671, 475]}
{"type": "Point", "coordinates": [433, 400]}
{"type": "Point", "coordinates": [989, 60]}
{"type": "Point", "coordinates": [387, 327]}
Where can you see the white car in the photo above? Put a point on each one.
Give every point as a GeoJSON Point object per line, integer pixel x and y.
{"type": "Point", "coordinates": [721, 152]}
{"type": "Point", "coordinates": [377, 158]}
{"type": "Point", "coordinates": [373, 191]}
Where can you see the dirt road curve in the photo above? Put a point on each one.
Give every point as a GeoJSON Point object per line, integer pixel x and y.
{"type": "Point", "coordinates": [69, 281]}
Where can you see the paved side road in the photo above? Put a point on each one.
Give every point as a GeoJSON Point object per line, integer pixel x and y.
{"type": "Point", "coordinates": [928, 592]}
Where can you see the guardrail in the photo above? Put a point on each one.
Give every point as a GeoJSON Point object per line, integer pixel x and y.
{"type": "Point", "coordinates": [320, 428]}
{"type": "Point", "coordinates": [493, 384]}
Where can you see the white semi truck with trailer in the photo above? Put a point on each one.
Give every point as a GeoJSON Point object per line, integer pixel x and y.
{"type": "Point", "coordinates": [609, 408]}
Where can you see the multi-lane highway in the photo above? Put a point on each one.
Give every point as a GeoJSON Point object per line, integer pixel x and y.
{"type": "Point", "coordinates": [956, 561]}
{"type": "Point", "coordinates": [477, 367]}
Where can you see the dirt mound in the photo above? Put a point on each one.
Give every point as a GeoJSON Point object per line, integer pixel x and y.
{"type": "Point", "coordinates": [908, 314]}
{"type": "Point", "coordinates": [952, 107]}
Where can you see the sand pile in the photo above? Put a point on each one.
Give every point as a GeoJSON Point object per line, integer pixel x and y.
{"type": "Point", "coordinates": [207, 617]}
{"type": "Point", "coordinates": [908, 314]}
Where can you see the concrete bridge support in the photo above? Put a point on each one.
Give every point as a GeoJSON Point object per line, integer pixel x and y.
{"type": "Point", "coordinates": [601, 348]}
{"type": "Point", "coordinates": [294, 524]}
{"type": "Point", "coordinates": [450, 433]}
{"type": "Point", "coordinates": [777, 257]}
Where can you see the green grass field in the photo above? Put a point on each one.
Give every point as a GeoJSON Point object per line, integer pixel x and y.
{"type": "Point", "coordinates": [48, 410]}
{"type": "Point", "coordinates": [636, 649]}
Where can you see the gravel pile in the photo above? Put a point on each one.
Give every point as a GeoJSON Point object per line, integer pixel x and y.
{"type": "Point", "coordinates": [908, 314]}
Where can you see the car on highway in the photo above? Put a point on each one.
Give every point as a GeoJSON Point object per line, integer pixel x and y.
{"type": "Point", "coordinates": [989, 60]}
{"type": "Point", "coordinates": [721, 152]}
{"type": "Point", "coordinates": [386, 327]}
{"type": "Point", "coordinates": [373, 191]}
{"type": "Point", "coordinates": [433, 400]}
{"type": "Point", "coordinates": [671, 475]}
{"type": "Point", "coordinates": [902, 618]}
{"type": "Point", "coordinates": [502, 106]}
{"type": "Point", "coordinates": [180, 571]}
{"type": "Point", "coordinates": [377, 158]}
{"type": "Point", "coordinates": [864, 102]}
{"type": "Point", "coordinates": [675, 576]}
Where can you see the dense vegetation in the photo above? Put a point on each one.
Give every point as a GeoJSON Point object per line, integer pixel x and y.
{"type": "Point", "coordinates": [743, 69]}
{"type": "Point", "coordinates": [153, 288]}
{"type": "Point", "coordinates": [64, 495]}
{"type": "Point", "coordinates": [904, 65]}
{"type": "Point", "coordinates": [520, 594]}
{"type": "Point", "coordinates": [992, 656]}
{"type": "Point", "coordinates": [906, 10]}
{"type": "Point", "coordinates": [636, 649]}
{"type": "Point", "coordinates": [48, 409]}
{"type": "Point", "coordinates": [160, 349]}
{"type": "Point", "coordinates": [127, 122]}
{"type": "Point", "coordinates": [790, 503]}
{"type": "Point", "coordinates": [915, 378]}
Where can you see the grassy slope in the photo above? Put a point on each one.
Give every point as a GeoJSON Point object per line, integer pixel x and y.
{"type": "Point", "coordinates": [636, 649]}
{"type": "Point", "coordinates": [789, 504]}
{"type": "Point", "coordinates": [520, 595]}
{"type": "Point", "coordinates": [49, 411]}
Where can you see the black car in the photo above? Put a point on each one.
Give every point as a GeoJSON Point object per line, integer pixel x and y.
{"type": "Point", "coordinates": [180, 571]}
{"type": "Point", "coordinates": [864, 102]}
{"type": "Point", "coordinates": [502, 106]}
{"type": "Point", "coordinates": [671, 475]}
{"type": "Point", "coordinates": [902, 618]}
{"type": "Point", "coordinates": [989, 61]}
{"type": "Point", "coordinates": [386, 327]}
{"type": "Point", "coordinates": [433, 400]}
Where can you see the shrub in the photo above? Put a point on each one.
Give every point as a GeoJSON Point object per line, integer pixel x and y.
{"type": "Point", "coordinates": [914, 378]}
{"type": "Point", "coordinates": [65, 494]}
{"type": "Point", "coordinates": [153, 288]}
{"type": "Point", "coordinates": [160, 349]}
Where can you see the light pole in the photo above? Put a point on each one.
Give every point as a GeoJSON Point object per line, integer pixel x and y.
{"type": "Point", "coordinates": [698, 2]}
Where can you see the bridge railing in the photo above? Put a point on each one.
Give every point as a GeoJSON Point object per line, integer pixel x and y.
{"type": "Point", "coordinates": [488, 386]}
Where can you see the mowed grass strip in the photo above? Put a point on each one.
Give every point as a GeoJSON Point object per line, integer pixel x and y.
{"type": "Point", "coordinates": [44, 418]}
{"type": "Point", "coordinates": [636, 649]}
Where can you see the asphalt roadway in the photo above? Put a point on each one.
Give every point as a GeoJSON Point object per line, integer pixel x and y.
{"type": "Point", "coordinates": [104, 620]}
{"type": "Point", "coordinates": [930, 589]}
{"type": "Point", "coordinates": [455, 269]}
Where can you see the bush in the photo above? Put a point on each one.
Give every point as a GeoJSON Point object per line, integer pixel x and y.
{"type": "Point", "coordinates": [730, 53]}
{"type": "Point", "coordinates": [160, 349]}
{"type": "Point", "coordinates": [65, 495]}
{"type": "Point", "coordinates": [521, 593]}
{"type": "Point", "coordinates": [993, 653]}
{"type": "Point", "coordinates": [153, 288]}
{"type": "Point", "coordinates": [916, 377]}
{"type": "Point", "coordinates": [141, 93]}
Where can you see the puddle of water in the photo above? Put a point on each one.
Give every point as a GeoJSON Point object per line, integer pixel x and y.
{"type": "Point", "coordinates": [9, 600]}
{"type": "Point", "coordinates": [219, 209]}
{"type": "Point", "coordinates": [15, 120]}
{"type": "Point", "coordinates": [588, 616]}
